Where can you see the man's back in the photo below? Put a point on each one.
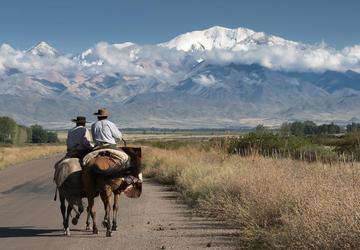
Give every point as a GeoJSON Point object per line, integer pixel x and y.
{"type": "Point", "coordinates": [104, 131]}
{"type": "Point", "coordinates": [78, 138]}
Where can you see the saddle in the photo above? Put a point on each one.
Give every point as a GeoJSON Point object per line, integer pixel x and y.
{"type": "Point", "coordinates": [64, 168]}
{"type": "Point", "coordinates": [118, 155]}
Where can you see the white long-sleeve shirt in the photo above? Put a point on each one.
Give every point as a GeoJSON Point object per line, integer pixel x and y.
{"type": "Point", "coordinates": [104, 131]}
{"type": "Point", "coordinates": [78, 139]}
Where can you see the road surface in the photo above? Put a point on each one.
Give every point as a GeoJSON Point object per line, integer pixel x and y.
{"type": "Point", "coordinates": [30, 219]}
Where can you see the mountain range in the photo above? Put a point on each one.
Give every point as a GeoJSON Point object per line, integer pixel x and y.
{"type": "Point", "coordinates": [213, 78]}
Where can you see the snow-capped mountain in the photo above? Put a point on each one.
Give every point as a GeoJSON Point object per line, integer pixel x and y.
{"type": "Point", "coordinates": [212, 78]}
{"type": "Point", "coordinates": [43, 49]}
{"type": "Point", "coordinates": [217, 37]}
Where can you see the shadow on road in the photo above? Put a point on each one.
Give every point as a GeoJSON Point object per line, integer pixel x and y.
{"type": "Point", "coordinates": [10, 232]}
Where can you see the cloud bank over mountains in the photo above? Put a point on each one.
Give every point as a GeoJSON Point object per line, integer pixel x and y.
{"type": "Point", "coordinates": [216, 45]}
{"type": "Point", "coordinates": [217, 77]}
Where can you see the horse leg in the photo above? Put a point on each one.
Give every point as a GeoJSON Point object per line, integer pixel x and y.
{"type": "Point", "coordinates": [87, 219]}
{"type": "Point", "coordinates": [68, 212]}
{"type": "Point", "coordinates": [93, 213]}
{"type": "Point", "coordinates": [106, 197]}
{"type": "Point", "coordinates": [63, 210]}
{"type": "Point", "coordinates": [80, 211]}
{"type": "Point", "coordinates": [105, 222]}
{"type": "Point", "coordinates": [115, 211]}
{"type": "Point", "coordinates": [77, 216]}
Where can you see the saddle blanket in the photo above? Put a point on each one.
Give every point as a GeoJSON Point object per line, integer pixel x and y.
{"type": "Point", "coordinates": [64, 168]}
{"type": "Point", "coordinates": [115, 153]}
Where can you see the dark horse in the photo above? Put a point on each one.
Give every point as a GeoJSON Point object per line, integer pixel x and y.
{"type": "Point", "coordinates": [101, 175]}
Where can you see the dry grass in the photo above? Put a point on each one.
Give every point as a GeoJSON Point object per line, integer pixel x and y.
{"type": "Point", "coordinates": [276, 204]}
{"type": "Point", "coordinates": [13, 155]}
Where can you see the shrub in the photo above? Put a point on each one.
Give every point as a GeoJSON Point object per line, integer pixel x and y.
{"type": "Point", "coordinates": [349, 145]}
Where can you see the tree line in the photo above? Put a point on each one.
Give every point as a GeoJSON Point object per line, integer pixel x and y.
{"type": "Point", "coordinates": [305, 128]}
{"type": "Point", "coordinates": [299, 128]}
{"type": "Point", "coordinates": [353, 127]}
{"type": "Point", "coordinates": [13, 133]}
{"type": "Point", "coordinates": [301, 140]}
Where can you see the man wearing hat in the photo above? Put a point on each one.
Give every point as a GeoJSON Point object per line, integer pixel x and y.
{"type": "Point", "coordinates": [78, 141]}
{"type": "Point", "coordinates": [104, 132]}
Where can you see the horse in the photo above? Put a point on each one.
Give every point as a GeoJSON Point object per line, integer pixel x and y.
{"type": "Point", "coordinates": [68, 179]}
{"type": "Point", "coordinates": [102, 175]}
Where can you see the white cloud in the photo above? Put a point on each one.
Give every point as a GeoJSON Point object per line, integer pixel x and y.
{"type": "Point", "coordinates": [136, 60]}
{"type": "Point", "coordinates": [32, 64]}
{"type": "Point", "coordinates": [316, 58]}
{"type": "Point", "coordinates": [170, 64]}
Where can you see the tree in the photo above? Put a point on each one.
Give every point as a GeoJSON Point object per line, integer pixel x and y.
{"type": "Point", "coordinates": [285, 129]}
{"type": "Point", "coordinates": [39, 135]}
{"type": "Point", "coordinates": [7, 130]}
{"type": "Point", "coordinates": [353, 127]}
{"type": "Point", "coordinates": [52, 137]}
{"type": "Point", "coordinates": [333, 129]}
{"type": "Point", "coordinates": [297, 128]}
{"type": "Point", "coordinates": [260, 129]}
{"type": "Point", "coordinates": [310, 128]}
{"type": "Point", "coordinates": [21, 135]}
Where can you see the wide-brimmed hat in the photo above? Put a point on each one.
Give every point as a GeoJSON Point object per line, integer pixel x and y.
{"type": "Point", "coordinates": [79, 119]}
{"type": "Point", "coordinates": [102, 112]}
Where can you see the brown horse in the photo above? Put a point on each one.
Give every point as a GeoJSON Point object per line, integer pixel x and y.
{"type": "Point", "coordinates": [101, 175]}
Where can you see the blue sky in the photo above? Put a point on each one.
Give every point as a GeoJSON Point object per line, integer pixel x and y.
{"type": "Point", "coordinates": [72, 26]}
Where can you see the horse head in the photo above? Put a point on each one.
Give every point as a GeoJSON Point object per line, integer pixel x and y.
{"type": "Point", "coordinates": [134, 190]}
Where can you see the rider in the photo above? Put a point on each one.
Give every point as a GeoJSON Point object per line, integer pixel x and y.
{"type": "Point", "coordinates": [78, 140]}
{"type": "Point", "coordinates": [103, 131]}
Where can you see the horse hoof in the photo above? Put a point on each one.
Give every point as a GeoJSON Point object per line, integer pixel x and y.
{"type": "Point", "coordinates": [114, 228]}
{"type": "Point", "coordinates": [108, 233]}
{"type": "Point", "coordinates": [87, 228]}
{"type": "Point", "coordinates": [105, 223]}
{"type": "Point", "coordinates": [67, 231]}
{"type": "Point", "coordinates": [74, 221]}
{"type": "Point", "coordinates": [95, 231]}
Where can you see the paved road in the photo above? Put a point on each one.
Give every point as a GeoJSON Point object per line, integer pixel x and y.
{"type": "Point", "coordinates": [30, 219]}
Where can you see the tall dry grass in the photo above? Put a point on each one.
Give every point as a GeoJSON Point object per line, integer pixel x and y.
{"type": "Point", "coordinates": [12, 155]}
{"type": "Point", "coordinates": [275, 203]}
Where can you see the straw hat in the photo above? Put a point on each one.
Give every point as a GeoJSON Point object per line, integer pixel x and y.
{"type": "Point", "coordinates": [102, 112]}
